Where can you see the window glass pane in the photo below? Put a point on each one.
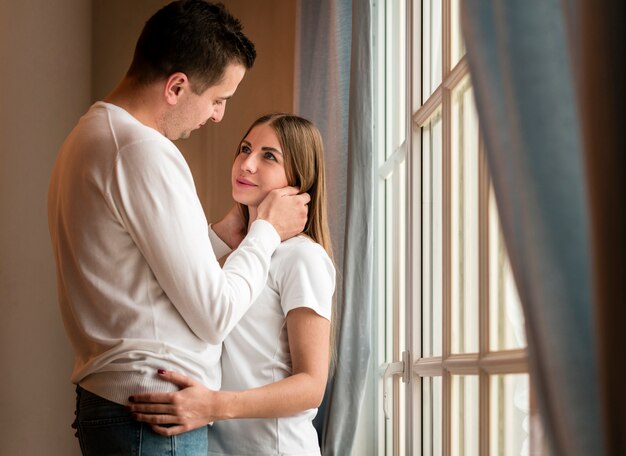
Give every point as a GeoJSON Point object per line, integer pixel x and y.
{"type": "Point", "coordinates": [458, 45]}
{"type": "Point", "coordinates": [464, 221]}
{"type": "Point", "coordinates": [395, 76]}
{"type": "Point", "coordinates": [394, 309]}
{"type": "Point", "coordinates": [464, 415]}
{"type": "Point", "coordinates": [431, 416]}
{"type": "Point", "coordinates": [432, 58]}
{"type": "Point", "coordinates": [432, 228]}
{"type": "Point", "coordinates": [506, 319]}
{"type": "Point", "coordinates": [509, 415]}
{"type": "Point", "coordinates": [389, 278]}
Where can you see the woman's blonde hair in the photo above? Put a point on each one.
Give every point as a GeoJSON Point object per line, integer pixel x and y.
{"type": "Point", "coordinates": [303, 153]}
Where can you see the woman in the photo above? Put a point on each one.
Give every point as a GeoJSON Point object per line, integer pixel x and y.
{"type": "Point", "coordinates": [275, 362]}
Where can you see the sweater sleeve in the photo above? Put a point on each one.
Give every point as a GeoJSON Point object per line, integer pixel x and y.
{"type": "Point", "coordinates": [153, 191]}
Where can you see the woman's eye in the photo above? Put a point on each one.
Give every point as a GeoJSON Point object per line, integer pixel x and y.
{"type": "Point", "coordinates": [270, 156]}
{"type": "Point", "coordinates": [244, 150]}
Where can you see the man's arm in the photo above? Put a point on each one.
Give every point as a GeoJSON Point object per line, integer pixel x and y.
{"type": "Point", "coordinates": [154, 198]}
{"type": "Point", "coordinates": [284, 208]}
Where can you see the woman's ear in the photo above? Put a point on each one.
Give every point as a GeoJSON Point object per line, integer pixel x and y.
{"type": "Point", "coordinates": [175, 87]}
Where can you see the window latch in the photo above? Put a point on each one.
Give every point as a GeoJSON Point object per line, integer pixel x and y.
{"type": "Point", "coordinates": [388, 370]}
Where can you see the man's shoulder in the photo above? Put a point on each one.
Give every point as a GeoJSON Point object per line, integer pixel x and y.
{"type": "Point", "coordinates": [106, 125]}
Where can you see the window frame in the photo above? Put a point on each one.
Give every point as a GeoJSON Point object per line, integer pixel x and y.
{"type": "Point", "coordinates": [406, 432]}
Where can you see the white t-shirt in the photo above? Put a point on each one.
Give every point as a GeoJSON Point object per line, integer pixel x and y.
{"type": "Point", "coordinates": [139, 286]}
{"type": "Point", "coordinates": [256, 352]}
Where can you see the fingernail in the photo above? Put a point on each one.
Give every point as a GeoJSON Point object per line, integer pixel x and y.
{"type": "Point", "coordinates": [161, 371]}
{"type": "Point", "coordinates": [131, 399]}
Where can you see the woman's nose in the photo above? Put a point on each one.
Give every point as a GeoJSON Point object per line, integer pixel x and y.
{"type": "Point", "coordinates": [249, 163]}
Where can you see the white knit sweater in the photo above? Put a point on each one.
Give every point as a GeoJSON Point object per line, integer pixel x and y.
{"type": "Point", "coordinates": [139, 285]}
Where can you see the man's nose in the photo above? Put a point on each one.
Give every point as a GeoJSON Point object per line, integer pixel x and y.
{"type": "Point", "coordinates": [218, 114]}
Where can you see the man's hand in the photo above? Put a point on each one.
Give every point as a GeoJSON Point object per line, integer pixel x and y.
{"type": "Point", "coordinates": [231, 229]}
{"type": "Point", "coordinates": [286, 210]}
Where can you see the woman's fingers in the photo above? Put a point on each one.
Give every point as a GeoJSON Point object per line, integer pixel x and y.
{"type": "Point", "coordinates": [156, 419]}
{"type": "Point", "coordinates": [154, 398]}
{"type": "Point", "coordinates": [170, 430]}
{"type": "Point", "coordinates": [164, 398]}
{"type": "Point", "coordinates": [176, 412]}
{"type": "Point", "coordinates": [152, 408]}
{"type": "Point", "coordinates": [176, 378]}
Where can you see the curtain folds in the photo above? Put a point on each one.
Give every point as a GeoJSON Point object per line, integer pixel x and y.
{"type": "Point", "coordinates": [334, 90]}
{"type": "Point", "coordinates": [522, 72]}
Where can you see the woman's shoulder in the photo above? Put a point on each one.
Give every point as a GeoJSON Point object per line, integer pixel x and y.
{"type": "Point", "coordinates": [304, 275]}
{"type": "Point", "coordinates": [302, 251]}
{"type": "Point", "coordinates": [300, 246]}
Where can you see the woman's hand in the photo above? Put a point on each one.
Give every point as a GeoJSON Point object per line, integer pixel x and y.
{"type": "Point", "coordinates": [195, 405]}
{"type": "Point", "coordinates": [174, 413]}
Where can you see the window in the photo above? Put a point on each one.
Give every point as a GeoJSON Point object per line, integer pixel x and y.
{"type": "Point", "coordinates": [451, 342]}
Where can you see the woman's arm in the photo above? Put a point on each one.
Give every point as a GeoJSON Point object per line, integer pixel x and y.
{"type": "Point", "coordinates": [231, 229]}
{"type": "Point", "coordinates": [195, 405]}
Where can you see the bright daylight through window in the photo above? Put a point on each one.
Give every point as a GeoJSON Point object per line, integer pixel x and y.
{"type": "Point", "coordinates": [451, 343]}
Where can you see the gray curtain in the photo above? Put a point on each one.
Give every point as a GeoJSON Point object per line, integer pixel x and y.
{"type": "Point", "coordinates": [523, 71]}
{"type": "Point", "coordinates": [334, 90]}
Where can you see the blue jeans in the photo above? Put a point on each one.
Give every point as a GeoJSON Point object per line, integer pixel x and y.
{"type": "Point", "coordinates": [105, 428]}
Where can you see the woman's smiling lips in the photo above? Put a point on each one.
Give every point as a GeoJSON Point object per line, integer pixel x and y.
{"type": "Point", "coordinates": [245, 182]}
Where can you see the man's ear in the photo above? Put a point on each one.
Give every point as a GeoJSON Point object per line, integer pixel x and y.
{"type": "Point", "coordinates": [175, 86]}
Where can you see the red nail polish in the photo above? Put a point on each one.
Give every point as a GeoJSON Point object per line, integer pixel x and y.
{"type": "Point", "coordinates": [161, 371]}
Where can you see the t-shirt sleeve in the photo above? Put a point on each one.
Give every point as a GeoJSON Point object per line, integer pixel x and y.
{"type": "Point", "coordinates": [306, 279]}
{"type": "Point", "coordinates": [153, 191]}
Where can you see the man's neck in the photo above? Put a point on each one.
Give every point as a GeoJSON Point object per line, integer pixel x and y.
{"type": "Point", "coordinates": [142, 102]}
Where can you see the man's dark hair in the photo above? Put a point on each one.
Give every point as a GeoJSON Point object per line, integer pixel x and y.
{"type": "Point", "coordinates": [194, 37]}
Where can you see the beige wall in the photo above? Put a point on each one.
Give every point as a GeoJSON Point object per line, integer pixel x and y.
{"type": "Point", "coordinates": [44, 75]}
{"type": "Point", "coordinates": [48, 80]}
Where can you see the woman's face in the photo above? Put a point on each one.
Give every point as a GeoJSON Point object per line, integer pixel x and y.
{"type": "Point", "coordinates": [259, 166]}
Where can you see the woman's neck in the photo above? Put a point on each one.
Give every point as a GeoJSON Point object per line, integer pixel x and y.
{"type": "Point", "coordinates": [252, 212]}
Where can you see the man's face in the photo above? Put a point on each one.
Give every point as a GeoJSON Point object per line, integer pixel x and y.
{"type": "Point", "coordinates": [193, 110]}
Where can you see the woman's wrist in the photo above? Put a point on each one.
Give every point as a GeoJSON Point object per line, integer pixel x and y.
{"type": "Point", "coordinates": [225, 404]}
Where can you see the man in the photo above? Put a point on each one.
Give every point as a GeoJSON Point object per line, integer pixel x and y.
{"type": "Point", "coordinates": [139, 285]}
